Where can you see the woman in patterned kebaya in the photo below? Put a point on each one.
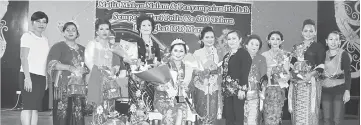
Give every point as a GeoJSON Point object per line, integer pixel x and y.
{"type": "Point", "coordinates": [207, 85]}
{"type": "Point", "coordinates": [305, 89]}
{"type": "Point", "coordinates": [278, 71]}
{"type": "Point", "coordinates": [258, 70]}
{"type": "Point", "coordinates": [165, 102]}
{"type": "Point", "coordinates": [104, 65]}
{"type": "Point", "coordinates": [337, 82]}
{"type": "Point", "coordinates": [66, 61]}
{"type": "Point", "coordinates": [236, 67]}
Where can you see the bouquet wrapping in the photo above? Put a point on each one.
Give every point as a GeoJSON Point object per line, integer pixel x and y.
{"type": "Point", "coordinates": [157, 75]}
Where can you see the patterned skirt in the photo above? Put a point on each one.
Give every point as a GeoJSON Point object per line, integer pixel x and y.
{"type": "Point", "coordinates": [251, 111]}
{"type": "Point", "coordinates": [273, 104]}
{"type": "Point", "coordinates": [304, 112]}
{"type": "Point", "coordinates": [101, 112]}
{"type": "Point", "coordinates": [169, 108]}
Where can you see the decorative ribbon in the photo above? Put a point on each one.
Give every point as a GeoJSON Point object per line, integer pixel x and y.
{"type": "Point", "coordinates": [290, 98]}
{"type": "Point", "coordinates": [313, 94]}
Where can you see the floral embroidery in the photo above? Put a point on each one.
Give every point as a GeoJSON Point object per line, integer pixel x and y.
{"type": "Point", "coordinates": [273, 103]}
{"type": "Point", "coordinates": [230, 86]}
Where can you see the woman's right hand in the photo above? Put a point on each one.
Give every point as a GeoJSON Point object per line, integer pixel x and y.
{"type": "Point", "coordinates": [28, 85]}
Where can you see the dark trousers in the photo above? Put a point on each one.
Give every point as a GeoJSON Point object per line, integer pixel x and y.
{"type": "Point", "coordinates": [333, 108]}
{"type": "Point", "coordinates": [233, 110]}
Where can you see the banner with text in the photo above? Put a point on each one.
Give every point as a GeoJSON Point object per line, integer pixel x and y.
{"type": "Point", "coordinates": [176, 19]}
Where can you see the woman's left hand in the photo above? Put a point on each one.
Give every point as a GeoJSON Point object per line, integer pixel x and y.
{"type": "Point", "coordinates": [241, 94]}
{"type": "Point", "coordinates": [346, 96]}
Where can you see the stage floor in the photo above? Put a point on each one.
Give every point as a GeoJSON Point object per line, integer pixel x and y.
{"type": "Point", "coordinates": [45, 118]}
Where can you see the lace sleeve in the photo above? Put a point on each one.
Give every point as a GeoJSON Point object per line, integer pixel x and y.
{"type": "Point", "coordinates": [89, 54]}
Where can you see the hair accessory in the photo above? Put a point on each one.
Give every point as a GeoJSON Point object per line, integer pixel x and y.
{"type": "Point", "coordinates": [178, 41]}
{"type": "Point", "coordinates": [62, 23]}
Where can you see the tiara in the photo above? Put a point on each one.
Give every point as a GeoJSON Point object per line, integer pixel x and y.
{"type": "Point", "coordinates": [177, 41]}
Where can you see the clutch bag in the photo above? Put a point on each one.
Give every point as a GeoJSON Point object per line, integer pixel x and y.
{"type": "Point", "coordinates": [76, 86]}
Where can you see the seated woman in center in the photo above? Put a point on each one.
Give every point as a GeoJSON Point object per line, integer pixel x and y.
{"type": "Point", "coordinates": [165, 101]}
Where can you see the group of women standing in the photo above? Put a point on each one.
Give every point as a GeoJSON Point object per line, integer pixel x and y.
{"type": "Point", "coordinates": [236, 82]}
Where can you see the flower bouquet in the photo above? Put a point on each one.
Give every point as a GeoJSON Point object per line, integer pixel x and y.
{"type": "Point", "coordinates": [280, 74]}
{"type": "Point", "coordinates": [302, 66]}
{"type": "Point", "coordinates": [300, 69]}
{"type": "Point", "coordinates": [111, 89]}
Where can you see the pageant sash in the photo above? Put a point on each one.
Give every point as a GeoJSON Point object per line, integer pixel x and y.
{"type": "Point", "coordinates": [94, 86]}
{"type": "Point", "coordinates": [313, 94]}
{"type": "Point", "coordinates": [290, 98]}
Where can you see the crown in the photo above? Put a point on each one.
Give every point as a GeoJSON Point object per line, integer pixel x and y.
{"type": "Point", "coordinates": [177, 41]}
